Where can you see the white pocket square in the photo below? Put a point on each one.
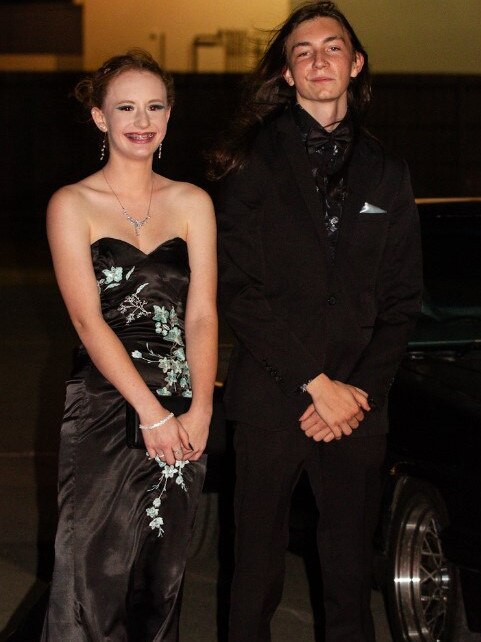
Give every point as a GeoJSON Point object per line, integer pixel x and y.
{"type": "Point", "coordinates": [367, 208]}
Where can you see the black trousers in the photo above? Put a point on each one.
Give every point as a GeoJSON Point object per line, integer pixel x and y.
{"type": "Point", "coordinates": [345, 479]}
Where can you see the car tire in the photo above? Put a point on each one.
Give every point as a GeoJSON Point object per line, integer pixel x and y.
{"type": "Point", "coordinates": [422, 586]}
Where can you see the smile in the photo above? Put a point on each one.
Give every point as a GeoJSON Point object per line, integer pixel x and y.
{"type": "Point", "coordinates": [140, 138]}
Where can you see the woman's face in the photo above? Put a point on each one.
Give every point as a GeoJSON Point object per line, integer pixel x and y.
{"type": "Point", "coordinates": [134, 113]}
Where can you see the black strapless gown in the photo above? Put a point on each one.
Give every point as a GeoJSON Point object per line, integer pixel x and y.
{"type": "Point", "coordinates": [125, 522]}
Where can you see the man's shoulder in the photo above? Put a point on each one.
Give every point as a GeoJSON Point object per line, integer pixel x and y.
{"type": "Point", "coordinates": [267, 135]}
{"type": "Point", "coordinates": [376, 173]}
{"type": "Point", "coordinates": [248, 180]}
{"type": "Point", "coordinates": [369, 146]}
{"type": "Point", "coordinates": [261, 153]}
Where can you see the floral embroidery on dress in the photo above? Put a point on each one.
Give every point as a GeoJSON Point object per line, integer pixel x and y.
{"type": "Point", "coordinates": [168, 472]}
{"type": "Point", "coordinates": [112, 278]}
{"type": "Point", "coordinates": [167, 324]}
{"type": "Point", "coordinates": [133, 306]}
{"type": "Point", "coordinates": [174, 366]}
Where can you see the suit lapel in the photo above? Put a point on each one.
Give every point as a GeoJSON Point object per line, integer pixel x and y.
{"type": "Point", "coordinates": [290, 147]}
{"type": "Point", "coordinates": [362, 175]}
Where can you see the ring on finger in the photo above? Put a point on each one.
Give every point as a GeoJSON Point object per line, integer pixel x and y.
{"type": "Point", "coordinates": [178, 451]}
{"type": "Point", "coordinates": [161, 455]}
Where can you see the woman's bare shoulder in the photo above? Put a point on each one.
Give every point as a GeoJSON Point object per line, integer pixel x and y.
{"type": "Point", "coordinates": [183, 191]}
{"type": "Point", "coordinates": [71, 205]}
{"type": "Point", "coordinates": [79, 192]}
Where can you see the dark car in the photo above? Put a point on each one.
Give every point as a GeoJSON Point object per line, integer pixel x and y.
{"type": "Point", "coordinates": [430, 536]}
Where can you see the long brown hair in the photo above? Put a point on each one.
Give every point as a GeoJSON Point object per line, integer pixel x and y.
{"type": "Point", "coordinates": [267, 93]}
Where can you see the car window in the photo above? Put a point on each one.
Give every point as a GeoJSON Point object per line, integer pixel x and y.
{"type": "Point", "coordinates": [451, 238]}
{"type": "Point", "coordinates": [451, 313]}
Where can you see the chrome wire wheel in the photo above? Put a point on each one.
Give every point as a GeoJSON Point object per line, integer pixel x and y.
{"type": "Point", "coordinates": [423, 581]}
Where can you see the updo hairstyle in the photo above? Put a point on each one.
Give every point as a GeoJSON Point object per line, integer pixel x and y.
{"type": "Point", "coordinates": [91, 90]}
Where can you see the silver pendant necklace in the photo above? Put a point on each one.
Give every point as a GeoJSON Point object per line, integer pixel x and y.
{"type": "Point", "coordinates": [135, 221]}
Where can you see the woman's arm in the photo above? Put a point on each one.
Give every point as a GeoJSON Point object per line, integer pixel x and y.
{"type": "Point", "coordinates": [69, 238]}
{"type": "Point", "coordinates": [201, 316]}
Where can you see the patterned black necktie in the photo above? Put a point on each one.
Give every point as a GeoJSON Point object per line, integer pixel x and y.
{"type": "Point", "coordinates": [328, 154]}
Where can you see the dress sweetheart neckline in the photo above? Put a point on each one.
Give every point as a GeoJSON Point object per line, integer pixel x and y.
{"type": "Point", "coordinates": [166, 242]}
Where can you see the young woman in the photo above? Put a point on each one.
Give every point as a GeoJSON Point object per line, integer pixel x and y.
{"type": "Point", "coordinates": [134, 256]}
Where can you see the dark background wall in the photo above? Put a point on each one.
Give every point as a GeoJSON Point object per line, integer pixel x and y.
{"type": "Point", "coordinates": [40, 27]}
{"type": "Point", "coordinates": [435, 123]}
{"type": "Point", "coordinates": [46, 139]}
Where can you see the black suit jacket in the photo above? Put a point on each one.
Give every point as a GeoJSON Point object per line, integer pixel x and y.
{"type": "Point", "coordinates": [294, 314]}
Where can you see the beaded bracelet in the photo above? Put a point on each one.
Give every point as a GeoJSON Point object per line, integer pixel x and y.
{"type": "Point", "coordinates": [158, 423]}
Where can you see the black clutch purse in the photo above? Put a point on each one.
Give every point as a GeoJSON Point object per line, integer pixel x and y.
{"type": "Point", "coordinates": [216, 443]}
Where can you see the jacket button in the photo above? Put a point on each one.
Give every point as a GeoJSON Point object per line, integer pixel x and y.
{"type": "Point", "coordinates": [331, 300]}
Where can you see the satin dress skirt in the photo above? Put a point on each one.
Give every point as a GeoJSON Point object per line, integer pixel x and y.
{"type": "Point", "coordinates": [124, 528]}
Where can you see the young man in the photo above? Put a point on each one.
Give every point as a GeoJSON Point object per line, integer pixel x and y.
{"type": "Point", "coordinates": [320, 281]}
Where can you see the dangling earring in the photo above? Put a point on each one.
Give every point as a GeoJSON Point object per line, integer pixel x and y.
{"type": "Point", "coordinates": [160, 150]}
{"type": "Point", "coordinates": [103, 148]}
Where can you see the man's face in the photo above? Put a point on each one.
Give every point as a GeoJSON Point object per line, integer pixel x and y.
{"type": "Point", "coordinates": [321, 62]}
